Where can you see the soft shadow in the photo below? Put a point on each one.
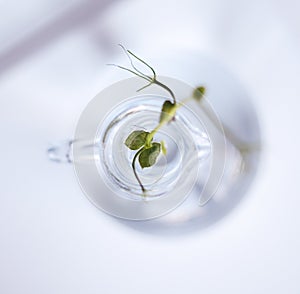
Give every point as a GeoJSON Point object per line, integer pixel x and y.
{"type": "Point", "coordinates": [77, 16]}
{"type": "Point", "coordinates": [190, 217]}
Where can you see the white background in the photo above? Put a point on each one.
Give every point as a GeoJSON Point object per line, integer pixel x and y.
{"type": "Point", "coordinates": [52, 62]}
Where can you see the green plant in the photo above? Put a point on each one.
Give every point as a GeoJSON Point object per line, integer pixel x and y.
{"type": "Point", "coordinates": [141, 141]}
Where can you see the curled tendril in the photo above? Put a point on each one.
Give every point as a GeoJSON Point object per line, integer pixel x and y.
{"type": "Point", "coordinates": [151, 79]}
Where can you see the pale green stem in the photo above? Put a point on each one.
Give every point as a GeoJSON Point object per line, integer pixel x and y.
{"type": "Point", "coordinates": [161, 124]}
{"type": "Point", "coordinates": [166, 88]}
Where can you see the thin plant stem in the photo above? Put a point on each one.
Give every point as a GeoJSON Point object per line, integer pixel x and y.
{"type": "Point", "coordinates": [141, 60]}
{"type": "Point", "coordinates": [128, 53]}
{"type": "Point", "coordinates": [127, 69]}
{"type": "Point", "coordinates": [166, 88]}
{"type": "Point", "coordinates": [135, 173]}
{"type": "Point", "coordinates": [140, 74]}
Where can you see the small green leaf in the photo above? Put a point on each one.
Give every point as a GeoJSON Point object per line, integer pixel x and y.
{"type": "Point", "coordinates": [198, 93]}
{"type": "Point", "coordinates": [148, 156]}
{"type": "Point", "coordinates": [167, 111]}
{"type": "Point", "coordinates": [163, 148]}
{"type": "Point", "coordinates": [136, 140]}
